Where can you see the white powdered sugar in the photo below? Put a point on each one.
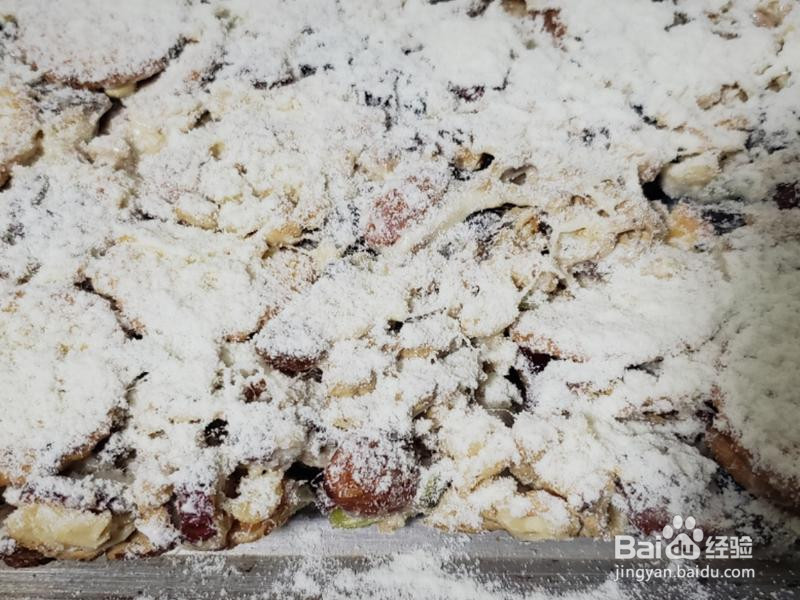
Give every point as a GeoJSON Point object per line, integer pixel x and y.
{"type": "Point", "coordinates": [534, 253]}
{"type": "Point", "coordinates": [104, 48]}
{"type": "Point", "coordinates": [636, 300]}
{"type": "Point", "coordinates": [61, 379]}
{"type": "Point", "coordinates": [759, 382]}
{"type": "Point", "coordinates": [19, 125]}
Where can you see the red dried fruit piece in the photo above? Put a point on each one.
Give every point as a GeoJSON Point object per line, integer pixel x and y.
{"type": "Point", "coordinates": [252, 391]}
{"type": "Point", "coordinates": [787, 195]}
{"type": "Point", "coordinates": [468, 94]}
{"type": "Point", "coordinates": [368, 477]}
{"type": "Point", "coordinates": [22, 558]}
{"type": "Point", "coordinates": [551, 22]}
{"type": "Point", "coordinates": [290, 365]}
{"type": "Point", "coordinates": [392, 213]}
{"type": "Point", "coordinates": [215, 433]}
{"type": "Point", "coordinates": [650, 520]}
{"type": "Point", "coordinates": [537, 361]}
{"type": "Point", "coordinates": [194, 511]}
{"type": "Point", "coordinates": [390, 217]}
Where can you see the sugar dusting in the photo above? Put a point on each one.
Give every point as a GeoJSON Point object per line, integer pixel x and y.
{"type": "Point", "coordinates": [440, 223]}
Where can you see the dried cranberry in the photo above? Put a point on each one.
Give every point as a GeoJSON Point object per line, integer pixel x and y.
{"type": "Point", "coordinates": [253, 391]}
{"type": "Point", "coordinates": [391, 216]}
{"type": "Point", "coordinates": [787, 195]}
{"type": "Point", "coordinates": [551, 22]}
{"type": "Point", "coordinates": [291, 365]}
{"type": "Point", "coordinates": [392, 213]}
{"type": "Point", "coordinates": [194, 512]}
{"type": "Point", "coordinates": [536, 361]}
{"type": "Point", "coordinates": [650, 520]}
{"type": "Point", "coordinates": [215, 432]}
{"type": "Point", "coordinates": [22, 558]}
{"type": "Point", "coordinates": [468, 94]}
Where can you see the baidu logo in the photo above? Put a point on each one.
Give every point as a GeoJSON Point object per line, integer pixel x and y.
{"type": "Point", "coordinates": [681, 539]}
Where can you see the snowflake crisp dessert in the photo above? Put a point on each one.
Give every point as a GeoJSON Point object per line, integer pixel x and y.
{"type": "Point", "coordinates": [518, 265]}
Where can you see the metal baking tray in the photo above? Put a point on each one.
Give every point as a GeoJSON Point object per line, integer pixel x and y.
{"type": "Point", "coordinates": [494, 559]}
